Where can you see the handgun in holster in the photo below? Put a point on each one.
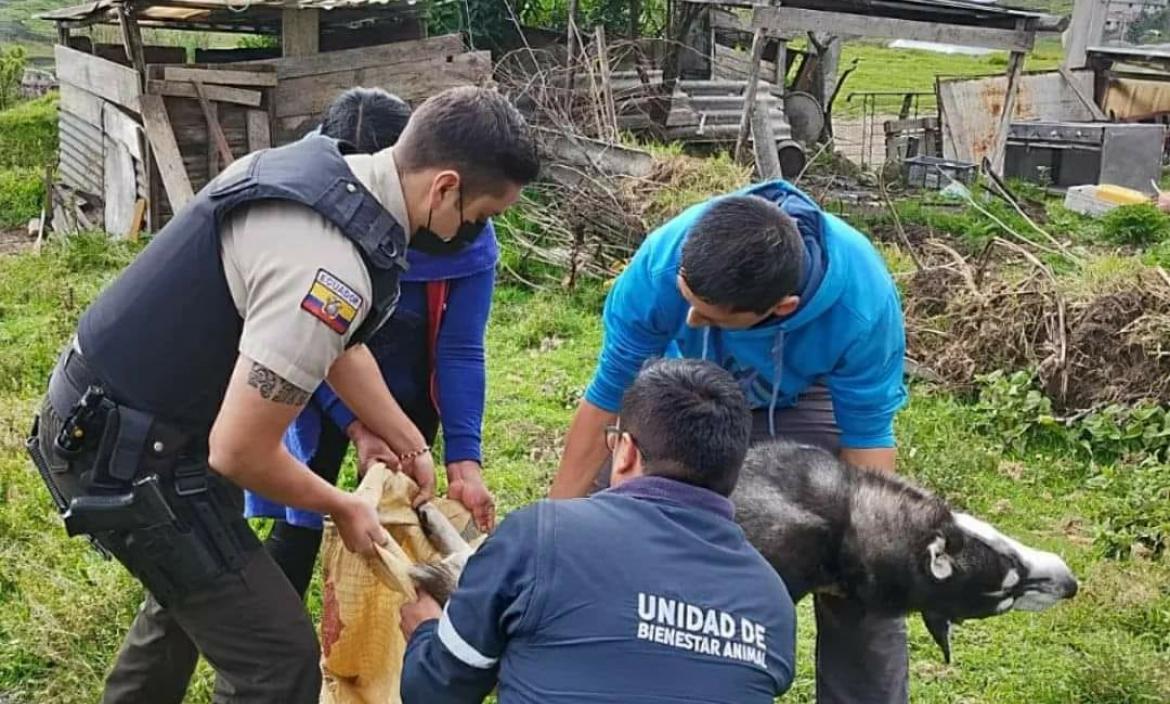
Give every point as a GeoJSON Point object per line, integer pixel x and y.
{"type": "Point", "coordinates": [144, 506]}
{"type": "Point", "coordinates": [87, 417]}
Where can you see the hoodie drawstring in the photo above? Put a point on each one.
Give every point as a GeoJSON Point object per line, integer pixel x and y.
{"type": "Point", "coordinates": [777, 377]}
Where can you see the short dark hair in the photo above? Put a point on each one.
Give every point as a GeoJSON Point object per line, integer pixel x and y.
{"type": "Point", "coordinates": [475, 131]}
{"type": "Point", "coordinates": [691, 422]}
{"type": "Point", "coordinates": [743, 252]}
{"type": "Point", "coordinates": [368, 118]}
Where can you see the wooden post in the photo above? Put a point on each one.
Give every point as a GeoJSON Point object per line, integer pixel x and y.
{"type": "Point", "coordinates": [749, 92]}
{"type": "Point", "coordinates": [300, 31]}
{"type": "Point", "coordinates": [608, 109]}
{"type": "Point", "coordinates": [764, 146]}
{"type": "Point", "coordinates": [1015, 68]}
{"type": "Point", "coordinates": [214, 129]}
{"type": "Point", "coordinates": [62, 34]}
{"type": "Point", "coordinates": [781, 65]}
{"type": "Point", "coordinates": [132, 40]}
{"type": "Point", "coordinates": [1085, 30]}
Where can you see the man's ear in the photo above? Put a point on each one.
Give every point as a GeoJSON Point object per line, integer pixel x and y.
{"type": "Point", "coordinates": [441, 185]}
{"type": "Point", "coordinates": [627, 461]}
{"type": "Point", "coordinates": [786, 306]}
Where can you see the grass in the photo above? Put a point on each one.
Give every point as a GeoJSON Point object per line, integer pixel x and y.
{"type": "Point", "coordinates": [65, 610]}
{"type": "Point", "coordinates": [28, 142]}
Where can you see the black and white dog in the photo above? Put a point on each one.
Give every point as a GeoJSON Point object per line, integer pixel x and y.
{"type": "Point", "coordinates": [892, 546]}
{"type": "Point", "coordinates": [827, 527]}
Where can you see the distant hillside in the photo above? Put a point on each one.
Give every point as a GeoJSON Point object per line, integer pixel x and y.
{"type": "Point", "coordinates": [17, 25]}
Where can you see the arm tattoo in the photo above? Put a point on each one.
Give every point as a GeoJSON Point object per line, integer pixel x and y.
{"type": "Point", "coordinates": [274, 388]}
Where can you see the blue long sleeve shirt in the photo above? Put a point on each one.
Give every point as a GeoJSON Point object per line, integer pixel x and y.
{"type": "Point", "coordinates": [647, 592]}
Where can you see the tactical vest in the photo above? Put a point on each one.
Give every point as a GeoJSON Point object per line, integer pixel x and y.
{"type": "Point", "coordinates": [164, 337]}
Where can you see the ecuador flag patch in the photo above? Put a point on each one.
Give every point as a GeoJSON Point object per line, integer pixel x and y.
{"type": "Point", "coordinates": [332, 302]}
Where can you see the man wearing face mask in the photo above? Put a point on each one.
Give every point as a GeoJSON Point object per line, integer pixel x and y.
{"type": "Point", "coordinates": [800, 308]}
{"type": "Point", "coordinates": [185, 372]}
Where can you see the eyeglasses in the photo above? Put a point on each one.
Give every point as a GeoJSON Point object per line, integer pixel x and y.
{"type": "Point", "coordinates": [614, 432]}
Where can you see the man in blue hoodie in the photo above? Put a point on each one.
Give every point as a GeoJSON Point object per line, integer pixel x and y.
{"type": "Point", "coordinates": [801, 309]}
{"type": "Point", "coordinates": [674, 605]}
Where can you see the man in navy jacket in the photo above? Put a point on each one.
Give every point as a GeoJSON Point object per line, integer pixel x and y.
{"type": "Point", "coordinates": [646, 591]}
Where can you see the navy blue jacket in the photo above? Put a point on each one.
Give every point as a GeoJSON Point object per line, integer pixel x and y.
{"type": "Point", "coordinates": [647, 592]}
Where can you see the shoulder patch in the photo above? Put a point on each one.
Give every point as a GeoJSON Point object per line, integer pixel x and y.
{"type": "Point", "coordinates": [332, 302]}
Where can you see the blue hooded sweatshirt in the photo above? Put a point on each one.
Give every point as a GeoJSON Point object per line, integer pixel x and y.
{"type": "Point", "coordinates": [847, 332]}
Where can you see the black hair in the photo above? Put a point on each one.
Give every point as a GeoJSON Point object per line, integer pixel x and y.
{"type": "Point", "coordinates": [475, 131]}
{"type": "Point", "coordinates": [691, 422]}
{"type": "Point", "coordinates": [368, 118]}
{"type": "Point", "coordinates": [744, 253]}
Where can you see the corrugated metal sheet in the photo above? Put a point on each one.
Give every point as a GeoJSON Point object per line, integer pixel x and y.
{"type": "Point", "coordinates": [80, 153]}
{"type": "Point", "coordinates": [970, 108]}
{"type": "Point", "coordinates": [1134, 99]}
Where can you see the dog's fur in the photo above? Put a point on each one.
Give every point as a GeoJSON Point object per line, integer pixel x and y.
{"type": "Point", "coordinates": [874, 537]}
{"type": "Point", "coordinates": [896, 548]}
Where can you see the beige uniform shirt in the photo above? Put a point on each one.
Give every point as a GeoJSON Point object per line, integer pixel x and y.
{"type": "Point", "coordinates": [299, 283]}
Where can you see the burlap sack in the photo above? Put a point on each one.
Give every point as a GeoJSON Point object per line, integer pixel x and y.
{"type": "Point", "coordinates": [361, 645]}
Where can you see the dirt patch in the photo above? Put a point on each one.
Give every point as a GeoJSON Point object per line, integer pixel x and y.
{"type": "Point", "coordinates": [965, 318]}
{"type": "Point", "coordinates": [15, 241]}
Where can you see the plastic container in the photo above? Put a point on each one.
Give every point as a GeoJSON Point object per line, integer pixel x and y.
{"type": "Point", "coordinates": [931, 172]}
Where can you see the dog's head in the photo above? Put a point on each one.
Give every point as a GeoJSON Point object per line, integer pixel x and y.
{"type": "Point", "coordinates": [974, 571]}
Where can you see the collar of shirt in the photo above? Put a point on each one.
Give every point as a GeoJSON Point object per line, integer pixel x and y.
{"type": "Point", "coordinates": [670, 490]}
{"type": "Point", "coordinates": [379, 174]}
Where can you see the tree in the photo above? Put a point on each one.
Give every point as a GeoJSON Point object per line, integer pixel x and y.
{"type": "Point", "coordinates": [12, 64]}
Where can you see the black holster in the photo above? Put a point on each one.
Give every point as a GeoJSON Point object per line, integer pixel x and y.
{"type": "Point", "coordinates": [139, 487]}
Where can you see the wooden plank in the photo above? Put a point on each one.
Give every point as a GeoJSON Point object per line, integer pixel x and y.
{"type": "Point", "coordinates": [764, 147]}
{"type": "Point", "coordinates": [366, 57]}
{"type": "Point", "coordinates": [81, 103]}
{"type": "Point", "coordinates": [759, 39]}
{"type": "Point", "coordinates": [1015, 66]}
{"type": "Point", "coordinates": [781, 20]}
{"type": "Point", "coordinates": [166, 151]}
{"type": "Point", "coordinates": [300, 31]}
{"type": "Point", "coordinates": [1086, 29]}
{"type": "Point", "coordinates": [115, 83]}
{"type": "Point", "coordinates": [213, 145]}
{"type": "Point", "coordinates": [137, 220]}
{"type": "Point", "coordinates": [1075, 86]}
{"type": "Point", "coordinates": [123, 128]}
{"type": "Point", "coordinates": [413, 82]}
{"type": "Point", "coordinates": [258, 78]}
{"type": "Point", "coordinates": [222, 94]}
{"type": "Point", "coordinates": [132, 39]}
{"type": "Point", "coordinates": [259, 130]}
{"type": "Point", "coordinates": [213, 126]}
{"type": "Point", "coordinates": [121, 189]}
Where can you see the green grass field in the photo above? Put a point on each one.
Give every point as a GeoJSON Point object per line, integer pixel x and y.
{"type": "Point", "coordinates": [65, 610]}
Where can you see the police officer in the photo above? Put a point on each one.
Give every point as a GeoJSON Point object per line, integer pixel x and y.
{"type": "Point", "coordinates": [646, 592]}
{"type": "Point", "coordinates": [185, 372]}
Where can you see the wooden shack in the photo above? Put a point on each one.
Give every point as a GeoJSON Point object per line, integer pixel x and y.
{"type": "Point", "coordinates": [711, 25]}
{"type": "Point", "coordinates": [142, 128]}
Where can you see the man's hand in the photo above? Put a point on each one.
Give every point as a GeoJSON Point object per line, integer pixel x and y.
{"type": "Point", "coordinates": [357, 523]}
{"type": "Point", "coordinates": [422, 470]}
{"type": "Point", "coordinates": [465, 485]}
{"type": "Point", "coordinates": [415, 613]}
{"type": "Point", "coordinates": [370, 448]}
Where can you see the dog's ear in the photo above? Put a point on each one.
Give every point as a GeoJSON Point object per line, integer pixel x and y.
{"type": "Point", "coordinates": [939, 627]}
{"type": "Point", "coordinates": [942, 566]}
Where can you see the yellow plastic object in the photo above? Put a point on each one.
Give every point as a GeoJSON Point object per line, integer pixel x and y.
{"type": "Point", "coordinates": [1121, 195]}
